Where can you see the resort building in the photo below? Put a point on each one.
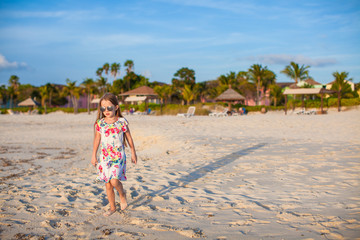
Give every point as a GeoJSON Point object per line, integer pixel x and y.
{"type": "Point", "coordinates": [140, 95]}
{"type": "Point", "coordinates": [352, 85]}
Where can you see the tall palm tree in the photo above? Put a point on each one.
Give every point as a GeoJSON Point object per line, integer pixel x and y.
{"type": "Point", "coordinates": [257, 75]}
{"type": "Point", "coordinates": [3, 93]}
{"type": "Point", "coordinates": [14, 86]}
{"type": "Point", "coordinates": [52, 89]}
{"type": "Point", "coordinates": [275, 93]}
{"type": "Point", "coordinates": [71, 90]}
{"type": "Point", "coordinates": [229, 80]}
{"type": "Point", "coordinates": [296, 72]}
{"type": "Point", "coordinates": [340, 85]}
{"type": "Point", "coordinates": [243, 84]}
{"type": "Point", "coordinates": [115, 70]}
{"type": "Point", "coordinates": [164, 92]}
{"type": "Point", "coordinates": [130, 66]}
{"type": "Point", "coordinates": [189, 93]}
{"type": "Point", "coordinates": [102, 85]}
{"type": "Point", "coordinates": [90, 89]}
{"type": "Point", "coordinates": [268, 80]}
{"type": "Point", "coordinates": [45, 94]}
{"type": "Point", "coordinates": [99, 72]}
{"type": "Point", "coordinates": [106, 68]}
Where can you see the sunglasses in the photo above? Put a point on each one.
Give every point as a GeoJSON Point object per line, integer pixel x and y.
{"type": "Point", "coordinates": [109, 108]}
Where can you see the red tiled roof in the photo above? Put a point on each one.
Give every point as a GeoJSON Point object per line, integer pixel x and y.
{"type": "Point", "coordinates": [144, 90]}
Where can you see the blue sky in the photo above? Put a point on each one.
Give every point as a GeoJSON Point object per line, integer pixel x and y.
{"type": "Point", "coordinates": [49, 41]}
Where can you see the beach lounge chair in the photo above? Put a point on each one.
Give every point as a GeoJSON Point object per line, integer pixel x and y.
{"type": "Point", "coordinates": [190, 112]}
{"type": "Point", "coordinates": [224, 113]}
{"type": "Point", "coordinates": [301, 112]}
{"type": "Point", "coordinates": [310, 112]}
{"type": "Point", "coordinates": [11, 112]}
{"type": "Point", "coordinates": [35, 111]}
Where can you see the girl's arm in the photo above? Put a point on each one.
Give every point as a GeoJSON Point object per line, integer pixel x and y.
{"type": "Point", "coordinates": [97, 139]}
{"type": "Point", "coordinates": [131, 144]}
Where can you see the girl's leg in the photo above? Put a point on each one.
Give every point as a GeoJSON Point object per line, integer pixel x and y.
{"type": "Point", "coordinates": [111, 196]}
{"type": "Point", "coordinates": [119, 187]}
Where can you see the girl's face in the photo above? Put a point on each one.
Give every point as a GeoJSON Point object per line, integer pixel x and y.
{"type": "Point", "coordinates": [108, 109]}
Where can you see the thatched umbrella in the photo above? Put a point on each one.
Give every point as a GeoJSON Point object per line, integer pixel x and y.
{"type": "Point", "coordinates": [229, 96]}
{"type": "Point", "coordinates": [29, 103]}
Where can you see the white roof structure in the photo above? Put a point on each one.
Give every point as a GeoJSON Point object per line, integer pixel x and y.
{"type": "Point", "coordinates": [135, 98]}
{"type": "Point", "coordinates": [304, 91]}
{"type": "Point", "coordinates": [95, 100]}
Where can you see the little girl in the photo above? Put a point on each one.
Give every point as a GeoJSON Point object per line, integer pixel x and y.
{"type": "Point", "coordinates": [110, 130]}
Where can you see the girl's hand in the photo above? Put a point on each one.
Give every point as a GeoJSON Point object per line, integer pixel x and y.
{"type": "Point", "coordinates": [133, 158]}
{"type": "Point", "coordinates": [94, 161]}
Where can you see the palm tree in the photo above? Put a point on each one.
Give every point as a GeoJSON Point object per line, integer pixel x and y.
{"type": "Point", "coordinates": [99, 72]}
{"type": "Point", "coordinates": [257, 75]}
{"type": "Point", "coordinates": [14, 85]}
{"type": "Point", "coordinates": [189, 94]}
{"type": "Point", "coordinates": [295, 72]}
{"type": "Point", "coordinates": [90, 89]}
{"type": "Point", "coordinates": [3, 93]}
{"type": "Point", "coordinates": [45, 94]}
{"type": "Point", "coordinates": [201, 88]}
{"type": "Point", "coordinates": [229, 80]}
{"type": "Point", "coordinates": [276, 93]}
{"type": "Point", "coordinates": [102, 85]}
{"type": "Point", "coordinates": [340, 85]}
{"type": "Point", "coordinates": [243, 85]}
{"type": "Point", "coordinates": [71, 90]}
{"type": "Point", "coordinates": [163, 92]}
{"type": "Point", "coordinates": [106, 68]}
{"type": "Point", "coordinates": [130, 66]}
{"type": "Point", "coordinates": [115, 70]}
{"type": "Point", "coordinates": [52, 89]}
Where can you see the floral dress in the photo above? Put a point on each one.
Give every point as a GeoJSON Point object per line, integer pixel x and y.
{"type": "Point", "coordinates": [112, 164]}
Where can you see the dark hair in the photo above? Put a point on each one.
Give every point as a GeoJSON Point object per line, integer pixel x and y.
{"type": "Point", "coordinates": [113, 99]}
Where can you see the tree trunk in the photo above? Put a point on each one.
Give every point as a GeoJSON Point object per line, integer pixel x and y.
{"type": "Point", "coordinates": [11, 101]}
{"type": "Point", "coordinates": [275, 102]}
{"type": "Point", "coordinates": [339, 101]}
{"type": "Point", "coordinates": [88, 103]}
{"type": "Point", "coordinates": [50, 99]}
{"type": "Point", "coordinates": [257, 92]}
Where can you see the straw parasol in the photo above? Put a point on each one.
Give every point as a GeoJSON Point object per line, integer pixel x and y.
{"type": "Point", "coordinates": [230, 95]}
{"type": "Point", "coordinates": [29, 103]}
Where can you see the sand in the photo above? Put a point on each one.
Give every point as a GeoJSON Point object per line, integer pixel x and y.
{"type": "Point", "coordinates": [258, 176]}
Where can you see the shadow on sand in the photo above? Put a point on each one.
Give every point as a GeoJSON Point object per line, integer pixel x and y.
{"type": "Point", "coordinates": [196, 174]}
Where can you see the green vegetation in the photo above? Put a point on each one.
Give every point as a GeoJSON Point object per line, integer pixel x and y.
{"type": "Point", "coordinates": [257, 83]}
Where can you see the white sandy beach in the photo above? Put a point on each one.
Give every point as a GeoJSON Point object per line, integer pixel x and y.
{"type": "Point", "coordinates": [259, 176]}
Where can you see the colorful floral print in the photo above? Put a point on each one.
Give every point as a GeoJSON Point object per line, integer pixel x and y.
{"type": "Point", "coordinates": [112, 163]}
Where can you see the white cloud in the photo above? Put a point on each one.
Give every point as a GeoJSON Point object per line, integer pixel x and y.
{"type": "Point", "coordinates": [286, 59]}
{"type": "Point", "coordinates": [95, 14]}
{"type": "Point", "coordinates": [5, 64]}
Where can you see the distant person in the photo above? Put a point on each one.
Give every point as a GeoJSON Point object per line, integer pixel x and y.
{"type": "Point", "coordinates": [242, 111]}
{"type": "Point", "coordinates": [111, 131]}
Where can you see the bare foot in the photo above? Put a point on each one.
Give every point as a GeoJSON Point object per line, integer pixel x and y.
{"type": "Point", "coordinates": [109, 212]}
{"type": "Point", "coordinates": [123, 202]}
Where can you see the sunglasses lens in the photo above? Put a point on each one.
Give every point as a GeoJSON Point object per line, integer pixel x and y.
{"type": "Point", "coordinates": [109, 108]}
